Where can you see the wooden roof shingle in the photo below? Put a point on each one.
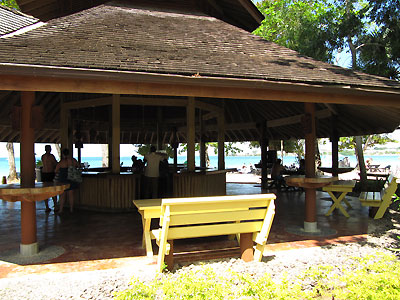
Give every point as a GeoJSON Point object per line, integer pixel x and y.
{"type": "Point", "coordinates": [132, 38]}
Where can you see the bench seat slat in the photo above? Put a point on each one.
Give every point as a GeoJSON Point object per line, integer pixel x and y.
{"type": "Point", "coordinates": [215, 217]}
{"type": "Point", "coordinates": [176, 233]}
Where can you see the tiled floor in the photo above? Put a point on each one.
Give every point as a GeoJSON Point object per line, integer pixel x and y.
{"type": "Point", "coordinates": [94, 240]}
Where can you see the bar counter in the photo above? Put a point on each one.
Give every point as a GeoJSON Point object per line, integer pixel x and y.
{"type": "Point", "coordinates": [107, 191]}
{"type": "Point", "coordinates": [104, 191]}
{"type": "Point", "coordinates": [199, 183]}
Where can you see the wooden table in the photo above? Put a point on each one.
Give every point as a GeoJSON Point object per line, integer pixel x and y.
{"type": "Point", "coordinates": [338, 170]}
{"type": "Point", "coordinates": [40, 191]}
{"type": "Point", "coordinates": [309, 182]}
{"type": "Point", "coordinates": [342, 187]}
{"type": "Point", "coordinates": [148, 209]}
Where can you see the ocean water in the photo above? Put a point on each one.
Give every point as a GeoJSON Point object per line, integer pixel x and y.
{"type": "Point", "coordinates": [230, 161]}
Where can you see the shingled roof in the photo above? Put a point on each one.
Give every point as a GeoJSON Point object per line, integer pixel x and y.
{"type": "Point", "coordinates": [159, 53]}
{"type": "Point", "coordinates": [12, 20]}
{"type": "Point", "coordinates": [135, 38]}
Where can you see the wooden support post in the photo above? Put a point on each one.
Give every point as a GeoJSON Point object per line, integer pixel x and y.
{"type": "Point", "coordinates": [335, 147]}
{"type": "Point", "coordinates": [64, 120]}
{"type": "Point", "coordinates": [191, 131]}
{"type": "Point", "coordinates": [29, 244]}
{"type": "Point", "coordinates": [203, 163]}
{"type": "Point", "coordinates": [264, 149]}
{"type": "Point", "coordinates": [310, 222]}
{"type": "Point", "coordinates": [221, 141]}
{"type": "Point", "coordinates": [116, 133]}
{"type": "Point", "coordinates": [159, 128]}
{"type": "Point", "coordinates": [246, 247]}
{"type": "Point", "coordinates": [175, 146]}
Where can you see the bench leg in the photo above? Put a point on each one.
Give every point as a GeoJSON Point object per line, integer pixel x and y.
{"type": "Point", "coordinates": [169, 258]}
{"type": "Point", "coordinates": [381, 210]}
{"type": "Point", "coordinates": [246, 246]}
{"type": "Point", "coordinates": [146, 237]}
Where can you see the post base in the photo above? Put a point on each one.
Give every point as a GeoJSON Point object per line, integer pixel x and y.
{"type": "Point", "coordinates": [29, 249]}
{"type": "Point", "coordinates": [310, 227]}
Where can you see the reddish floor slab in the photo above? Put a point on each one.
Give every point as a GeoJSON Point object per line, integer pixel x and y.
{"type": "Point", "coordinates": [94, 240]}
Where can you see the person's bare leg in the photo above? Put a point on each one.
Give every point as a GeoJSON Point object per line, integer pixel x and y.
{"type": "Point", "coordinates": [71, 200]}
{"type": "Point", "coordinates": [62, 200]}
{"type": "Point", "coordinates": [46, 202]}
{"type": "Point", "coordinates": [55, 203]}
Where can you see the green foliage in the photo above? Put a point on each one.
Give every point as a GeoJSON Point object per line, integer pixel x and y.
{"type": "Point", "coordinates": [304, 26]}
{"type": "Point", "coordinates": [368, 141]}
{"type": "Point", "coordinates": [144, 149]}
{"type": "Point", "coordinates": [9, 3]}
{"type": "Point", "coordinates": [229, 147]}
{"type": "Point", "coordinates": [370, 277]}
{"type": "Point", "coordinates": [380, 53]}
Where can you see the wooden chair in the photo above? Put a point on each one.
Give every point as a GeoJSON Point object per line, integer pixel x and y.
{"type": "Point", "coordinates": [380, 200]}
{"type": "Point", "coordinates": [249, 216]}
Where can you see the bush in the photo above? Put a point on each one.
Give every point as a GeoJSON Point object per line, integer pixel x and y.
{"type": "Point", "coordinates": [372, 277]}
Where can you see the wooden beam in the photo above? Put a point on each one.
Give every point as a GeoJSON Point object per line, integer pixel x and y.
{"type": "Point", "coordinates": [162, 101]}
{"type": "Point", "coordinates": [116, 131]}
{"type": "Point", "coordinates": [221, 141]}
{"type": "Point", "coordinates": [210, 115]}
{"type": "Point", "coordinates": [297, 119]}
{"type": "Point", "coordinates": [153, 101]}
{"type": "Point", "coordinates": [64, 127]}
{"type": "Point", "coordinates": [199, 88]}
{"type": "Point", "coordinates": [190, 133]}
{"type": "Point", "coordinates": [85, 103]}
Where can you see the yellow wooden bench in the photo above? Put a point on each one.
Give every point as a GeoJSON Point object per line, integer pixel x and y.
{"type": "Point", "coordinates": [249, 216]}
{"type": "Point", "coordinates": [381, 199]}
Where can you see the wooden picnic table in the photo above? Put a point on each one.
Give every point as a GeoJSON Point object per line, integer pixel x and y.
{"type": "Point", "coordinates": [341, 188]}
{"type": "Point", "coordinates": [149, 209]}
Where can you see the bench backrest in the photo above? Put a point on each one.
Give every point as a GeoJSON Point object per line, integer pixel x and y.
{"type": "Point", "coordinates": [211, 216]}
{"type": "Point", "coordinates": [390, 187]}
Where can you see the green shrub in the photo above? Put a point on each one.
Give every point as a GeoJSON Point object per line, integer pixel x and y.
{"type": "Point", "coordinates": [371, 277]}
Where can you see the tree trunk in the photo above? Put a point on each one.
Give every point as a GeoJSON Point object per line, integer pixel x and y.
{"type": "Point", "coordinates": [11, 162]}
{"type": "Point", "coordinates": [58, 148]}
{"type": "Point", "coordinates": [104, 155]}
{"type": "Point", "coordinates": [361, 164]}
{"type": "Point", "coordinates": [207, 156]}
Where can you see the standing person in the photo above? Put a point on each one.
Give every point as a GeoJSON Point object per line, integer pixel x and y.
{"type": "Point", "coordinates": [276, 173]}
{"type": "Point", "coordinates": [62, 170]}
{"type": "Point", "coordinates": [48, 172]}
{"type": "Point", "coordinates": [151, 172]}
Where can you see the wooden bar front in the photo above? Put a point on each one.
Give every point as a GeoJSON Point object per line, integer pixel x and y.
{"type": "Point", "coordinates": [198, 184]}
{"type": "Point", "coordinates": [107, 191]}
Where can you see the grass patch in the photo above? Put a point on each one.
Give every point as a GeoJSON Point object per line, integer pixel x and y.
{"type": "Point", "coordinates": [371, 277]}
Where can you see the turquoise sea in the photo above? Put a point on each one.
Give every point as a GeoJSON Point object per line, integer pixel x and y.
{"type": "Point", "coordinates": [230, 161]}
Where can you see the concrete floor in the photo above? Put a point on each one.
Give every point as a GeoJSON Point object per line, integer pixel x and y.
{"type": "Point", "coordinates": [94, 240]}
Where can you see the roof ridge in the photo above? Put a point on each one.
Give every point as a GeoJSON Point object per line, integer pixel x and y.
{"type": "Point", "coordinates": [17, 12]}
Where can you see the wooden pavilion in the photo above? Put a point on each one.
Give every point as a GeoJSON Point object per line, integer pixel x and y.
{"type": "Point", "coordinates": [169, 72]}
